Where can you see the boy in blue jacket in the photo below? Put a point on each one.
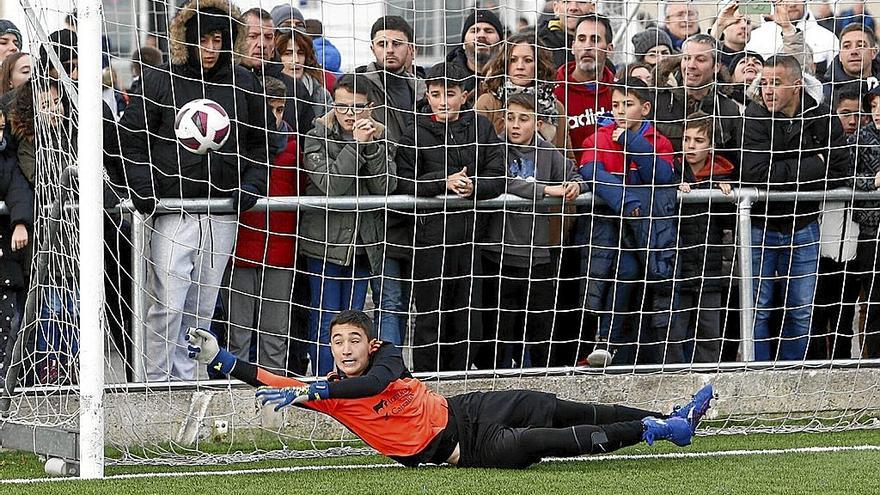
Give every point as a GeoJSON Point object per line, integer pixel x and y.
{"type": "Point", "coordinates": [629, 235]}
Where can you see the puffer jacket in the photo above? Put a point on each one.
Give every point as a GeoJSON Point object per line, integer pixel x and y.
{"type": "Point", "coordinates": [342, 167]}
{"type": "Point", "coordinates": [640, 176]}
{"type": "Point", "coordinates": [782, 153]}
{"type": "Point", "coordinates": [268, 238]}
{"type": "Point", "coordinates": [156, 164]}
{"type": "Point", "coordinates": [438, 151]}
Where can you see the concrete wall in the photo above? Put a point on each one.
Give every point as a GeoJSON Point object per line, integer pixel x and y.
{"type": "Point", "coordinates": [139, 418]}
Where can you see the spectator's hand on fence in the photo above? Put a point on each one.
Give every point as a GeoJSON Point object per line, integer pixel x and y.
{"type": "Point", "coordinates": [144, 203]}
{"type": "Point", "coordinates": [245, 198]}
{"type": "Point", "coordinates": [572, 190]}
{"type": "Point", "coordinates": [726, 188]}
{"type": "Point", "coordinates": [684, 187]}
{"type": "Point", "coordinates": [460, 183]}
{"type": "Point", "coordinates": [203, 347]}
{"type": "Point", "coordinates": [19, 237]}
{"type": "Point", "coordinates": [877, 180]}
{"type": "Point", "coordinates": [554, 191]}
{"type": "Point", "coordinates": [617, 133]}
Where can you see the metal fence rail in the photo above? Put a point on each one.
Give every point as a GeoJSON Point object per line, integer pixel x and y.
{"type": "Point", "coordinates": [742, 198]}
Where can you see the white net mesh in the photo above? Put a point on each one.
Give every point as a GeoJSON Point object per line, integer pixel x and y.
{"type": "Point", "coordinates": [623, 295]}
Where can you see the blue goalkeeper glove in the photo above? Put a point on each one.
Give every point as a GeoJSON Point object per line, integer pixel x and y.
{"type": "Point", "coordinates": [203, 348]}
{"type": "Point", "coordinates": [293, 395]}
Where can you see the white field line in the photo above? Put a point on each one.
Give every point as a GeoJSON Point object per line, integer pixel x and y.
{"type": "Point", "coordinates": [595, 458]}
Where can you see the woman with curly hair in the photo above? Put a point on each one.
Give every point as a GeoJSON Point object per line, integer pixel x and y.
{"type": "Point", "coordinates": [522, 66]}
{"type": "Point", "coordinates": [298, 56]}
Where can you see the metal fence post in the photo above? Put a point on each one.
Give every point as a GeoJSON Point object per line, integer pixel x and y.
{"type": "Point", "coordinates": [138, 303]}
{"type": "Point", "coordinates": [746, 292]}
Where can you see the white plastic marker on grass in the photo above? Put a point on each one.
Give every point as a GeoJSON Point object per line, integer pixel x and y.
{"type": "Point", "coordinates": [594, 458]}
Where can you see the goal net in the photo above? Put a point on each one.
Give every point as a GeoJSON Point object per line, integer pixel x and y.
{"type": "Point", "coordinates": [604, 228]}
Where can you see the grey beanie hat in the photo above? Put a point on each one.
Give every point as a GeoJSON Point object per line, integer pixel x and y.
{"type": "Point", "coordinates": [649, 38]}
{"type": "Point", "coordinates": [285, 12]}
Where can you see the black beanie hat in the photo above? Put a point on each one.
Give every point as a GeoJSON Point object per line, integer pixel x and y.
{"type": "Point", "coordinates": [64, 43]}
{"type": "Point", "coordinates": [486, 16]}
{"type": "Point", "coordinates": [741, 55]}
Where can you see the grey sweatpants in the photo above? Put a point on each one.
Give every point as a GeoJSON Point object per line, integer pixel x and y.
{"type": "Point", "coordinates": [188, 255]}
{"type": "Point", "coordinates": [260, 299]}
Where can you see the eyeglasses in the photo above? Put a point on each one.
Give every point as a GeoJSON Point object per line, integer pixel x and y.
{"type": "Point", "coordinates": [354, 109]}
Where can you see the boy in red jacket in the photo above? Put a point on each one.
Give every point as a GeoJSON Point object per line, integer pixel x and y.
{"type": "Point", "coordinates": [628, 236]}
{"type": "Point", "coordinates": [262, 275]}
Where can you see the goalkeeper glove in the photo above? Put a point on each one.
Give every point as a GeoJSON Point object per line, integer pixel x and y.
{"type": "Point", "coordinates": [203, 348]}
{"type": "Point", "coordinates": [293, 395]}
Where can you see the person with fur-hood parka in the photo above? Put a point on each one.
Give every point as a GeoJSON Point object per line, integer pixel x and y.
{"type": "Point", "coordinates": [189, 251]}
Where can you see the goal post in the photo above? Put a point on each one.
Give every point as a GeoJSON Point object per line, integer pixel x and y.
{"type": "Point", "coordinates": [91, 237]}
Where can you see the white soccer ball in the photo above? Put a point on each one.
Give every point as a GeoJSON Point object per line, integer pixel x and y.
{"type": "Point", "coordinates": [600, 358]}
{"type": "Point", "coordinates": [202, 126]}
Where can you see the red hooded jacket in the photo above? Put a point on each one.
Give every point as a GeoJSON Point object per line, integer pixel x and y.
{"type": "Point", "coordinates": [274, 246]}
{"type": "Point", "coordinates": [602, 148]}
{"type": "Point", "coordinates": [585, 103]}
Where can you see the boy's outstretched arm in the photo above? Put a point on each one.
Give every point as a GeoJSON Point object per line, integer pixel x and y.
{"type": "Point", "coordinates": [654, 162]}
{"type": "Point", "coordinates": [203, 347]}
{"type": "Point", "coordinates": [387, 366]}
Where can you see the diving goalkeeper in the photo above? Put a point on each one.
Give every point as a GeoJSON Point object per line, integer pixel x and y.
{"type": "Point", "coordinates": [375, 396]}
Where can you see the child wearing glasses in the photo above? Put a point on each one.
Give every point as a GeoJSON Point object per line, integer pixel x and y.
{"type": "Point", "coordinates": [345, 155]}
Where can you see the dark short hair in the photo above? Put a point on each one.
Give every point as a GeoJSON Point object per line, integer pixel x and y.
{"type": "Point", "coordinates": [353, 317]}
{"type": "Point", "coordinates": [147, 55]}
{"type": "Point", "coordinates": [275, 89]}
{"type": "Point", "coordinates": [630, 85]}
{"type": "Point", "coordinates": [600, 19]}
{"type": "Point", "coordinates": [787, 62]}
{"type": "Point", "coordinates": [524, 100]}
{"type": "Point", "coordinates": [392, 23]}
{"type": "Point", "coordinates": [448, 75]}
{"type": "Point", "coordinates": [857, 26]}
{"type": "Point", "coordinates": [354, 83]}
{"type": "Point", "coordinates": [705, 123]}
{"type": "Point", "coordinates": [846, 93]}
{"type": "Point", "coordinates": [314, 27]}
{"type": "Point", "coordinates": [263, 14]}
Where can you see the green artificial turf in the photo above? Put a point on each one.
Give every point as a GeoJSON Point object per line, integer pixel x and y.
{"type": "Point", "coordinates": [849, 472]}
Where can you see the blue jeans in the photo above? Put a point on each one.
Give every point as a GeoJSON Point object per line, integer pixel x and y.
{"type": "Point", "coordinates": [333, 288]}
{"type": "Point", "coordinates": [793, 260]}
{"type": "Point", "coordinates": [391, 293]}
{"type": "Point", "coordinates": [57, 335]}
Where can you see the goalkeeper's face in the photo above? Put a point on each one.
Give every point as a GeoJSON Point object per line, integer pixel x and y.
{"type": "Point", "coordinates": [351, 348]}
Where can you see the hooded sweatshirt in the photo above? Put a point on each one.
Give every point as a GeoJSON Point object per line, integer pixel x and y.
{"type": "Point", "coordinates": [520, 236]}
{"type": "Point", "coordinates": [588, 105]}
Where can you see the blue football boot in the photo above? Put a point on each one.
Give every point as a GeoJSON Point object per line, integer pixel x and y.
{"type": "Point", "coordinates": [674, 429]}
{"type": "Point", "coordinates": [694, 410]}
